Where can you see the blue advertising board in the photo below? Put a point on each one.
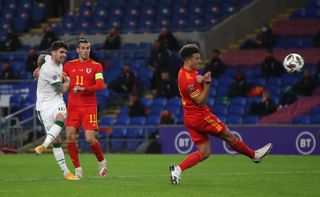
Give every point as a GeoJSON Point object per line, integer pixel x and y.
{"type": "Point", "coordinates": [294, 140]}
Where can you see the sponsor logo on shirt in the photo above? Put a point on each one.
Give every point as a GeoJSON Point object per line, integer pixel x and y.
{"type": "Point", "coordinates": [190, 87]}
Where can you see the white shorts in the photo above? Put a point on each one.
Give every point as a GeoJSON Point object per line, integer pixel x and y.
{"type": "Point", "coordinates": [48, 117]}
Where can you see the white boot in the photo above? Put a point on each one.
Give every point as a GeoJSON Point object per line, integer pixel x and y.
{"type": "Point", "coordinates": [261, 153]}
{"type": "Point", "coordinates": [175, 174]}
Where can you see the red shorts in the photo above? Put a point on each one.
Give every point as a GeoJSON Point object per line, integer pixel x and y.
{"type": "Point", "coordinates": [82, 116]}
{"type": "Point", "coordinates": [201, 127]}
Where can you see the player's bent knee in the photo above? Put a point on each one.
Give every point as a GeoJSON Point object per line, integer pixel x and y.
{"type": "Point", "coordinates": [90, 140]}
{"type": "Point", "coordinates": [70, 137]}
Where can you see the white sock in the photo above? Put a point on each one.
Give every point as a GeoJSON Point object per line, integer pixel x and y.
{"type": "Point", "coordinates": [53, 132]}
{"type": "Point", "coordinates": [59, 156]}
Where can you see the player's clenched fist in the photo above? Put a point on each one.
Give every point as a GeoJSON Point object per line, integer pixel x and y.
{"type": "Point", "coordinates": [207, 77]}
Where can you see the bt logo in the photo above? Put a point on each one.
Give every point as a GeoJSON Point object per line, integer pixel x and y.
{"type": "Point", "coordinates": [183, 143]}
{"type": "Point", "coordinates": [305, 143]}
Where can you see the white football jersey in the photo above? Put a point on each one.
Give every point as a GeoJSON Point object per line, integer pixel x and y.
{"type": "Point", "coordinates": [49, 74]}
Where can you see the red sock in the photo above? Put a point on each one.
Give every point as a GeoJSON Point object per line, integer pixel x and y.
{"type": "Point", "coordinates": [191, 160]}
{"type": "Point", "coordinates": [96, 149]}
{"type": "Point", "coordinates": [73, 152]}
{"type": "Point", "coordinates": [242, 148]}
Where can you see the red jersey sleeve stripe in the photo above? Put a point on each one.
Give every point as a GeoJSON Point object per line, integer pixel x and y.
{"type": "Point", "coordinates": [195, 93]}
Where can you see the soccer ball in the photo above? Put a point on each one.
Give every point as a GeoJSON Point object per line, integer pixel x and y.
{"type": "Point", "coordinates": [293, 63]}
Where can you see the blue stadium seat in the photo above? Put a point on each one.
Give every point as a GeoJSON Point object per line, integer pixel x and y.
{"type": "Point", "coordinates": [160, 101]}
{"type": "Point", "coordinates": [257, 81]}
{"type": "Point", "coordinates": [145, 46]}
{"type": "Point", "coordinates": [234, 119]}
{"type": "Point", "coordinates": [16, 101]}
{"type": "Point", "coordinates": [239, 101]}
{"type": "Point", "coordinates": [152, 120]}
{"type": "Point", "coordinates": [288, 80]}
{"type": "Point", "coordinates": [135, 135]}
{"type": "Point", "coordinates": [247, 71]}
{"type": "Point", "coordinates": [129, 46]}
{"type": "Point", "coordinates": [230, 72]}
{"type": "Point", "coordinates": [102, 101]}
{"type": "Point", "coordinates": [142, 54]}
{"type": "Point", "coordinates": [146, 101]}
{"type": "Point", "coordinates": [38, 13]}
{"type": "Point", "coordinates": [174, 101]}
{"type": "Point", "coordinates": [220, 109]}
{"type": "Point", "coordinates": [17, 66]}
{"type": "Point", "coordinates": [315, 119]}
{"type": "Point", "coordinates": [210, 101]}
{"type": "Point", "coordinates": [156, 109]}
{"type": "Point", "coordinates": [20, 25]}
{"type": "Point", "coordinates": [106, 121]}
{"type": "Point", "coordinates": [213, 92]}
{"type": "Point", "coordinates": [137, 120]}
{"type": "Point", "coordinates": [118, 139]}
{"type": "Point", "coordinates": [236, 109]}
{"type": "Point", "coordinates": [174, 109]}
{"type": "Point", "coordinates": [251, 119]}
{"type": "Point", "coordinates": [276, 81]}
{"type": "Point", "coordinates": [315, 111]}
{"type": "Point", "coordinates": [304, 119]}
{"type": "Point", "coordinates": [225, 81]}
{"type": "Point", "coordinates": [123, 111]}
{"type": "Point", "coordinates": [122, 120]}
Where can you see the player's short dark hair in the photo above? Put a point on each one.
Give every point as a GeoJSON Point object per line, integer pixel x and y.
{"type": "Point", "coordinates": [82, 40]}
{"type": "Point", "coordinates": [56, 45]}
{"type": "Point", "coordinates": [188, 50]}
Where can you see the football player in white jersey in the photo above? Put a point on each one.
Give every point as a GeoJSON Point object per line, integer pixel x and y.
{"type": "Point", "coordinates": [50, 106]}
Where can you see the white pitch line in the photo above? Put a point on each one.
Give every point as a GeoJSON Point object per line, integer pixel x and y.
{"type": "Point", "coordinates": [166, 175]}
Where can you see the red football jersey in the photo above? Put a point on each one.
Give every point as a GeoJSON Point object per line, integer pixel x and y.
{"type": "Point", "coordinates": [189, 88]}
{"type": "Point", "coordinates": [82, 74]}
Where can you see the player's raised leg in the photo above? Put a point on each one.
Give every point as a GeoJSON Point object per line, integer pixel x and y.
{"type": "Point", "coordinates": [242, 148]}
{"type": "Point", "coordinates": [52, 133]}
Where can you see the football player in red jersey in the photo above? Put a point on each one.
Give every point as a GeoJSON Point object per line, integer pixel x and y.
{"type": "Point", "coordinates": [85, 79]}
{"type": "Point", "coordinates": [198, 118]}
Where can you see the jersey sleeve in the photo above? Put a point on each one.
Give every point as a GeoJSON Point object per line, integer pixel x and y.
{"type": "Point", "coordinates": [191, 87]}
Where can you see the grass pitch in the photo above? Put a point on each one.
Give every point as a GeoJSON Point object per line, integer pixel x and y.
{"type": "Point", "coordinates": [148, 175]}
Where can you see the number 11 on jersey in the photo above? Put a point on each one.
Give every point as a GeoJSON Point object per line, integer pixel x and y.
{"type": "Point", "coordinates": [79, 80]}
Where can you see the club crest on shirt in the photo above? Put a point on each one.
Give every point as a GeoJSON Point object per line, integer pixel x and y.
{"type": "Point", "coordinates": [88, 70]}
{"type": "Point", "coordinates": [54, 77]}
{"type": "Point", "coordinates": [190, 87]}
